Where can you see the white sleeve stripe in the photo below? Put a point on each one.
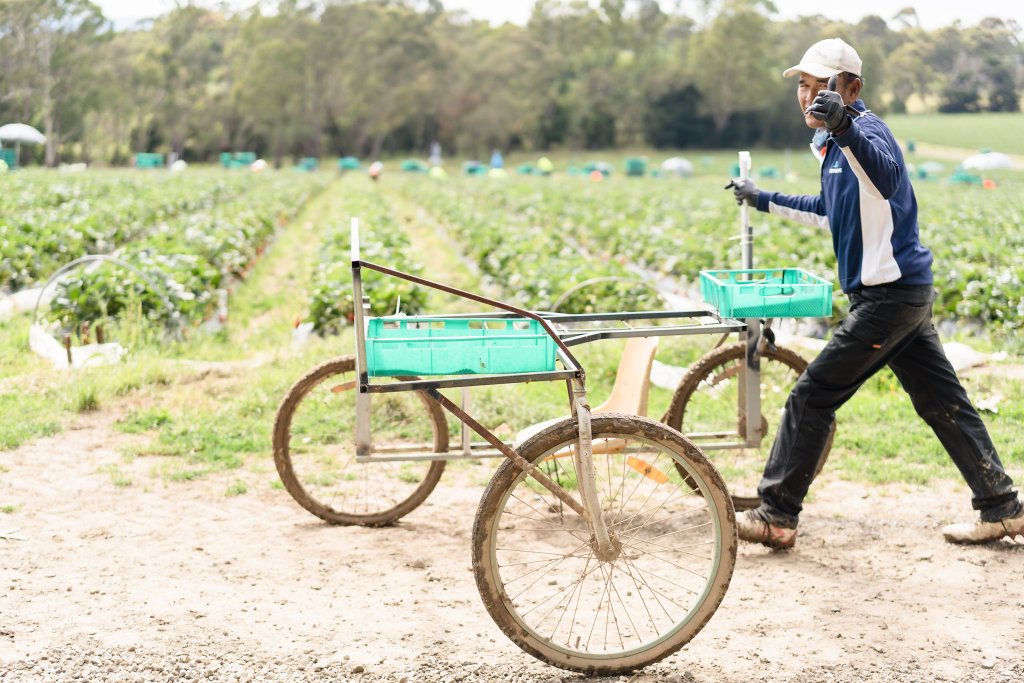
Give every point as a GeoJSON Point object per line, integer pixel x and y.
{"type": "Point", "coordinates": [805, 217]}
{"type": "Point", "coordinates": [858, 170]}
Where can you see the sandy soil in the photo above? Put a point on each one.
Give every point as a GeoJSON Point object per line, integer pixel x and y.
{"type": "Point", "coordinates": [169, 581]}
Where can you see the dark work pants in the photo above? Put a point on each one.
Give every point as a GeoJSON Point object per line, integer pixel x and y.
{"type": "Point", "coordinates": [887, 325]}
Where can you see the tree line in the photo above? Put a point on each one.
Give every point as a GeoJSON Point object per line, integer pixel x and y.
{"type": "Point", "coordinates": [364, 78]}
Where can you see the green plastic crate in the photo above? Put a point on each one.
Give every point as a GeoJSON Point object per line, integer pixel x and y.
{"type": "Point", "coordinates": [8, 157]}
{"type": "Point", "coordinates": [416, 345]}
{"type": "Point", "coordinates": [149, 160]}
{"type": "Point", "coordinates": [767, 293]}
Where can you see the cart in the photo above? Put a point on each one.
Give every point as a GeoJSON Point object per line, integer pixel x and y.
{"type": "Point", "coordinates": [601, 544]}
{"type": "Point", "coordinates": [604, 542]}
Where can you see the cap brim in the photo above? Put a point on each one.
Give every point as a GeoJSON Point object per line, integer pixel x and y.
{"type": "Point", "coordinates": [816, 70]}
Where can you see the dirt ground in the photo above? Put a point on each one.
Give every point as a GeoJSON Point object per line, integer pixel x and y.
{"type": "Point", "coordinates": [175, 581]}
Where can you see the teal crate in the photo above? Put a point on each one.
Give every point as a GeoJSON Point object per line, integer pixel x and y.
{"type": "Point", "coordinates": [767, 293]}
{"type": "Point", "coordinates": [416, 345]}
{"type": "Point", "coordinates": [149, 160]}
{"type": "Point", "coordinates": [8, 157]}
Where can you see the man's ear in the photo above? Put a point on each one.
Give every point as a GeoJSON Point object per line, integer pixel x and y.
{"type": "Point", "coordinates": [853, 89]}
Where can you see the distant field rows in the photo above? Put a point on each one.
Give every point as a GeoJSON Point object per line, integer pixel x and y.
{"type": "Point", "coordinates": [971, 132]}
{"type": "Point", "coordinates": [535, 237]}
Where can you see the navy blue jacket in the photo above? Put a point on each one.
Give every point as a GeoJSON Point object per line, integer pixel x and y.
{"type": "Point", "coordinates": [868, 204]}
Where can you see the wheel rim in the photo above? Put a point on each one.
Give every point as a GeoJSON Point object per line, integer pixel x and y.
{"type": "Point", "coordinates": [563, 596]}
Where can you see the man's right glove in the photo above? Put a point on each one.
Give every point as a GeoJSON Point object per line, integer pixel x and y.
{"type": "Point", "coordinates": [829, 108]}
{"type": "Point", "coordinates": [744, 190]}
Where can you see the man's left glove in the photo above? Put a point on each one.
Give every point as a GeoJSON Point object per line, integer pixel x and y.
{"type": "Point", "coordinates": [744, 190]}
{"type": "Point", "coordinates": [829, 107]}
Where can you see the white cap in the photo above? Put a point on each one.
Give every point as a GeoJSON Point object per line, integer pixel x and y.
{"type": "Point", "coordinates": [825, 58]}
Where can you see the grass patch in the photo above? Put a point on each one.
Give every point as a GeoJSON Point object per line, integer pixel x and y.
{"type": "Point", "coordinates": [184, 474]}
{"type": "Point", "coordinates": [87, 399]}
{"type": "Point", "coordinates": [880, 439]}
{"type": "Point", "coordinates": [140, 421]}
{"type": "Point", "coordinates": [118, 477]}
{"type": "Point", "coordinates": [9, 509]}
{"type": "Point", "coordinates": [967, 131]}
{"type": "Point", "coordinates": [236, 488]}
{"type": "Point", "coordinates": [28, 416]}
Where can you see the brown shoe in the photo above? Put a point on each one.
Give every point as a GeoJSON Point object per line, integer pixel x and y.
{"type": "Point", "coordinates": [983, 532]}
{"type": "Point", "coordinates": [753, 529]}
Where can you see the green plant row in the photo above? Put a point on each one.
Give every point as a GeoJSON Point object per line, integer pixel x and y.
{"type": "Point", "coordinates": [382, 240]}
{"type": "Point", "coordinates": [188, 259]}
{"type": "Point", "coordinates": [507, 230]}
{"type": "Point", "coordinates": [47, 220]}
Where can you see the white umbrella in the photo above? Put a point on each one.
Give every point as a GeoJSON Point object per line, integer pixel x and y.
{"type": "Point", "coordinates": [988, 161]}
{"type": "Point", "coordinates": [21, 132]}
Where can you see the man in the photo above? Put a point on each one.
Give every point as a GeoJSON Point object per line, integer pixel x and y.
{"type": "Point", "coordinates": [867, 203]}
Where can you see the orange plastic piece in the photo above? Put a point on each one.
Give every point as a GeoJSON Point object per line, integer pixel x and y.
{"type": "Point", "coordinates": [647, 469]}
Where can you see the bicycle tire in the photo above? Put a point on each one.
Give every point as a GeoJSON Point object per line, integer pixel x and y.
{"type": "Point", "coordinates": [329, 483]}
{"type": "Point", "coordinates": [691, 533]}
{"type": "Point", "coordinates": [724, 363]}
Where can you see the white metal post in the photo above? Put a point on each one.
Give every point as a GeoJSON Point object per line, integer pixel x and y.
{"type": "Point", "coordinates": [359, 312]}
{"type": "Point", "coordinates": [750, 379]}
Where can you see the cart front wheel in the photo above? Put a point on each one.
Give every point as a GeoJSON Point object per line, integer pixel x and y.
{"type": "Point", "coordinates": [562, 598]}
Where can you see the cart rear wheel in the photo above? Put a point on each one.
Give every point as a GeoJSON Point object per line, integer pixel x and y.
{"type": "Point", "coordinates": [707, 401]}
{"type": "Point", "coordinates": [314, 448]}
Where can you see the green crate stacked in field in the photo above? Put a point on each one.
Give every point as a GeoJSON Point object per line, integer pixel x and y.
{"type": "Point", "coordinates": [636, 167]}
{"type": "Point", "coordinates": [9, 157]}
{"type": "Point", "coordinates": [237, 159]}
{"type": "Point", "coordinates": [149, 160]}
{"type": "Point", "coordinates": [348, 164]}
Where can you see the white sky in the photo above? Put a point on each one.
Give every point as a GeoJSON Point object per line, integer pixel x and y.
{"type": "Point", "coordinates": [932, 13]}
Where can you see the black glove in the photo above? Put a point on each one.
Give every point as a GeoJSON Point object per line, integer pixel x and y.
{"type": "Point", "coordinates": [829, 107]}
{"type": "Point", "coordinates": [744, 190]}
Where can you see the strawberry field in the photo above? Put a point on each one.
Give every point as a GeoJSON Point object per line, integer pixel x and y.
{"type": "Point", "coordinates": [189, 233]}
{"type": "Point", "coordinates": [564, 240]}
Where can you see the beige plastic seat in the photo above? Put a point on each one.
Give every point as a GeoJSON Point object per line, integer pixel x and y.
{"type": "Point", "coordinates": [629, 392]}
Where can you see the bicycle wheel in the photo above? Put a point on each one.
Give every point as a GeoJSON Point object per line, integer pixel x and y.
{"type": "Point", "coordinates": [314, 448]}
{"type": "Point", "coordinates": [707, 401]}
{"type": "Point", "coordinates": [550, 590]}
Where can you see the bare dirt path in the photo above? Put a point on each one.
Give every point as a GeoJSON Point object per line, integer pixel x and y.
{"type": "Point", "coordinates": [165, 581]}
